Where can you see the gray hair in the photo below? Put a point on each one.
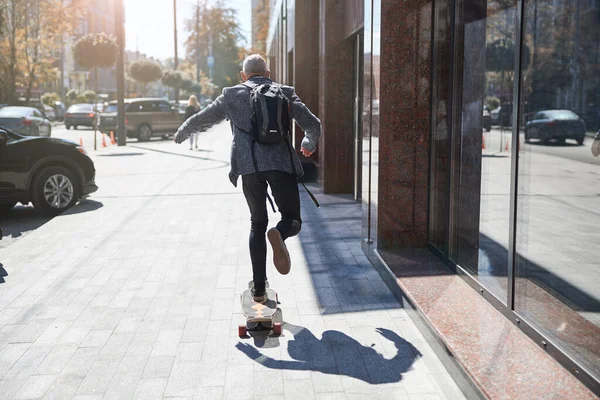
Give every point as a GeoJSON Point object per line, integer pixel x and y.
{"type": "Point", "coordinates": [254, 64]}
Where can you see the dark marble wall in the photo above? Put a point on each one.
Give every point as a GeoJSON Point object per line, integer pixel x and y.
{"type": "Point", "coordinates": [336, 158]}
{"type": "Point", "coordinates": [404, 123]}
{"type": "Point", "coordinates": [306, 61]}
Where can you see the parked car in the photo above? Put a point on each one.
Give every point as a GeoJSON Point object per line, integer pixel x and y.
{"type": "Point", "coordinates": [51, 173]}
{"type": "Point", "coordinates": [487, 119]}
{"type": "Point", "coordinates": [555, 125]}
{"type": "Point", "coordinates": [80, 115]}
{"type": "Point", "coordinates": [59, 110]}
{"type": "Point", "coordinates": [144, 118]}
{"type": "Point", "coordinates": [107, 120]}
{"type": "Point", "coordinates": [26, 121]}
{"type": "Point", "coordinates": [49, 113]}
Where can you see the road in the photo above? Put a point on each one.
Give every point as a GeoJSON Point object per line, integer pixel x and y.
{"type": "Point", "coordinates": [496, 142]}
{"type": "Point", "coordinates": [86, 135]}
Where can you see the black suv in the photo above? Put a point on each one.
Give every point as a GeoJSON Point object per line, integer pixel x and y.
{"type": "Point", "coordinates": [51, 173]}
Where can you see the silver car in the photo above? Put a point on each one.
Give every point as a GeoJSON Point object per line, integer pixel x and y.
{"type": "Point", "coordinates": [27, 121]}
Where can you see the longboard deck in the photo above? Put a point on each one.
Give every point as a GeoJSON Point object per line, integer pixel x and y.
{"type": "Point", "coordinates": [258, 312]}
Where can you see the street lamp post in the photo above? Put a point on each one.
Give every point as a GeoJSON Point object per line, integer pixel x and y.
{"type": "Point", "coordinates": [120, 31]}
{"type": "Point", "coordinates": [176, 61]}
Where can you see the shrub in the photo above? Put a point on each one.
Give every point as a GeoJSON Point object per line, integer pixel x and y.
{"type": "Point", "coordinates": [145, 71]}
{"type": "Point", "coordinates": [492, 102]}
{"type": "Point", "coordinates": [89, 96]}
{"type": "Point", "coordinates": [50, 98]}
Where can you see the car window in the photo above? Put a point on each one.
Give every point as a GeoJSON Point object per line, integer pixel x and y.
{"type": "Point", "coordinates": [163, 106]}
{"type": "Point", "coordinates": [111, 108]}
{"type": "Point", "coordinates": [539, 115]}
{"type": "Point", "coordinates": [14, 112]}
{"type": "Point", "coordinates": [38, 114]}
{"type": "Point", "coordinates": [563, 115]}
{"type": "Point", "coordinates": [81, 108]}
{"type": "Point", "coordinates": [140, 106]}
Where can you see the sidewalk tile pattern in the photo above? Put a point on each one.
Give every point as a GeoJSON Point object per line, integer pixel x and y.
{"type": "Point", "coordinates": [135, 294]}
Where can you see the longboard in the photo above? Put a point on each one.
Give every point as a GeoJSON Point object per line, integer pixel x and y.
{"type": "Point", "coordinates": [259, 316]}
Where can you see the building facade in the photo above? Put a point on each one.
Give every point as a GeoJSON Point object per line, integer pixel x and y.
{"type": "Point", "coordinates": [464, 127]}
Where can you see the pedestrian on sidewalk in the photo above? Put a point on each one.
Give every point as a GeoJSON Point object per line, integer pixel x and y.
{"type": "Point", "coordinates": [596, 145]}
{"type": "Point", "coordinates": [259, 164]}
{"type": "Point", "coordinates": [192, 108]}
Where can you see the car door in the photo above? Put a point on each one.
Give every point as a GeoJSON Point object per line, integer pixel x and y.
{"type": "Point", "coordinates": [165, 115]}
{"type": "Point", "coordinates": [41, 122]}
{"type": "Point", "coordinates": [13, 167]}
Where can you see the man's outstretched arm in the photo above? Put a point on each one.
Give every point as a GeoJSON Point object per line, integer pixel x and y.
{"type": "Point", "coordinates": [310, 124]}
{"type": "Point", "coordinates": [203, 120]}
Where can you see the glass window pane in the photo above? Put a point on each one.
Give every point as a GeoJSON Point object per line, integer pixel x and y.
{"type": "Point", "coordinates": [441, 124]}
{"type": "Point", "coordinates": [482, 154]}
{"type": "Point", "coordinates": [558, 214]}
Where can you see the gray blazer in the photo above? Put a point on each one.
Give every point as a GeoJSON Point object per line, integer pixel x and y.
{"type": "Point", "coordinates": [234, 105]}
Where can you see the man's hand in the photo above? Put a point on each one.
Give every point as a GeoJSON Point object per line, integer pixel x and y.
{"type": "Point", "coordinates": [596, 147]}
{"type": "Point", "coordinates": [305, 152]}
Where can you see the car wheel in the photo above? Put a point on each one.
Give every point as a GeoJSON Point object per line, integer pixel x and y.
{"type": "Point", "coordinates": [5, 207]}
{"type": "Point", "coordinates": [68, 127]}
{"type": "Point", "coordinates": [580, 141]}
{"type": "Point", "coordinates": [527, 138]}
{"type": "Point", "coordinates": [561, 141]}
{"type": "Point", "coordinates": [144, 133]}
{"type": "Point", "coordinates": [75, 127]}
{"type": "Point", "coordinates": [55, 190]}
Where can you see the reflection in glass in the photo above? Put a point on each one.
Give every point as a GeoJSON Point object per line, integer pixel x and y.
{"type": "Point", "coordinates": [441, 124]}
{"type": "Point", "coordinates": [558, 214]}
{"type": "Point", "coordinates": [483, 153]}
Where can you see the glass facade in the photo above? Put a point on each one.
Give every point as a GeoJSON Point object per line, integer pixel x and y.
{"type": "Point", "coordinates": [370, 122]}
{"type": "Point", "coordinates": [514, 186]}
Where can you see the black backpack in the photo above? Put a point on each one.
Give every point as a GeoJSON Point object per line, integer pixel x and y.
{"type": "Point", "coordinates": [271, 121]}
{"type": "Point", "coordinates": [270, 114]}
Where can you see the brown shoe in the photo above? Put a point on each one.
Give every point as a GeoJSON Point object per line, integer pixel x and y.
{"type": "Point", "coordinates": [281, 257]}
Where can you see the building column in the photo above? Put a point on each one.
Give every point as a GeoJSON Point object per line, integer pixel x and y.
{"type": "Point", "coordinates": [404, 123]}
{"type": "Point", "coordinates": [306, 70]}
{"type": "Point", "coordinates": [336, 173]}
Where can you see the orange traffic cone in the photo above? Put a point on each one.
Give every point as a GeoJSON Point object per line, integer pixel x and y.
{"type": "Point", "coordinates": [506, 146]}
{"type": "Point", "coordinates": [483, 142]}
{"type": "Point", "coordinates": [104, 140]}
{"type": "Point", "coordinates": [112, 138]}
{"type": "Point", "coordinates": [80, 141]}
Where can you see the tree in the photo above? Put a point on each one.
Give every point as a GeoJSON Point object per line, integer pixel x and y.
{"type": "Point", "coordinates": [31, 35]}
{"type": "Point", "coordinates": [79, 99]}
{"type": "Point", "coordinates": [172, 78]}
{"type": "Point", "coordinates": [50, 98]}
{"type": "Point", "coordinates": [260, 28]}
{"type": "Point", "coordinates": [95, 50]}
{"type": "Point", "coordinates": [89, 96]}
{"type": "Point", "coordinates": [219, 24]}
{"type": "Point", "coordinates": [145, 72]}
{"type": "Point", "coordinates": [72, 95]}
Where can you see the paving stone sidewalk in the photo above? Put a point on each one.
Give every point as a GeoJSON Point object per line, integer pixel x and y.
{"type": "Point", "coordinates": [134, 294]}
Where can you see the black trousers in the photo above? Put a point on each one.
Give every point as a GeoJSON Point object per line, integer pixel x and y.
{"type": "Point", "coordinates": [284, 188]}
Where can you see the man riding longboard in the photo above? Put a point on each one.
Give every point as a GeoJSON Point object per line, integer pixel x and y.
{"type": "Point", "coordinates": [260, 112]}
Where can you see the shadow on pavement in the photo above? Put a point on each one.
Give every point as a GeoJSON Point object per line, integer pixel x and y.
{"type": "Point", "coordinates": [343, 279]}
{"type": "Point", "coordinates": [23, 218]}
{"type": "Point", "coordinates": [338, 354]}
{"type": "Point", "coordinates": [3, 273]}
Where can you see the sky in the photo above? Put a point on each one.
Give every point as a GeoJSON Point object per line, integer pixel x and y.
{"type": "Point", "coordinates": [149, 25]}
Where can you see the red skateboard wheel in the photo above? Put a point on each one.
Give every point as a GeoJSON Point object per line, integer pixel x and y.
{"type": "Point", "coordinates": [242, 331]}
{"type": "Point", "coordinates": [277, 328]}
